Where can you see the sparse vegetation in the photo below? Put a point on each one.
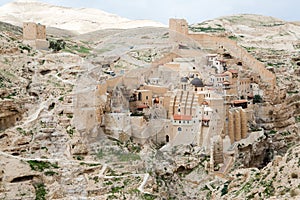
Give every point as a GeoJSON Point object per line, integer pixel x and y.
{"type": "Point", "coordinates": [257, 99]}
{"type": "Point", "coordinates": [57, 45]}
{"type": "Point", "coordinates": [148, 196]}
{"type": "Point", "coordinates": [50, 173]}
{"type": "Point", "coordinates": [20, 130]}
{"type": "Point", "coordinates": [70, 130]}
{"type": "Point", "coordinates": [294, 175]}
{"type": "Point", "coordinates": [41, 165]}
{"type": "Point", "coordinates": [25, 47]}
{"type": "Point", "coordinates": [40, 191]}
{"type": "Point", "coordinates": [207, 29]}
{"type": "Point", "coordinates": [233, 37]}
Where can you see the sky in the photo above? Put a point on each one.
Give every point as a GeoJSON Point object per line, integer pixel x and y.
{"type": "Point", "coordinates": [192, 10]}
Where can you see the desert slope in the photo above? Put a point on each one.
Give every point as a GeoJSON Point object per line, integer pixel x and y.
{"type": "Point", "coordinates": [254, 31]}
{"type": "Point", "coordinates": [78, 20]}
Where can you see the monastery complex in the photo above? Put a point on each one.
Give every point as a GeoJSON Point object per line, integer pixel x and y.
{"type": "Point", "coordinates": [183, 100]}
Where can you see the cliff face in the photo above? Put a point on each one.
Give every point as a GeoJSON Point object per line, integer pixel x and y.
{"type": "Point", "coordinates": [278, 179]}
{"type": "Point", "coordinates": [44, 150]}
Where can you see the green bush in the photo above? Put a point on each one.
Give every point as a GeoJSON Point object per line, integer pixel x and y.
{"type": "Point", "coordinates": [40, 191]}
{"type": "Point", "coordinates": [257, 99]}
{"type": "Point", "coordinates": [57, 45]}
{"type": "Point", "coordinates": [41, 165]}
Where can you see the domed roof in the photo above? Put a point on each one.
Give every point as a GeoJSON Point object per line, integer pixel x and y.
{"type": "Point", "coordinates": [184, 79]}
{"type": "Point", "coordinates": [197, 82]}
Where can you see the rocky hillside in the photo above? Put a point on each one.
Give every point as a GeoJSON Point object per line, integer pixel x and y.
{"type": "Point", "coordinates": [77, 20]}
{"type": "Point", "coordinates": [254, 31]}
{"type": "Point", "coordinates": [45, 155]}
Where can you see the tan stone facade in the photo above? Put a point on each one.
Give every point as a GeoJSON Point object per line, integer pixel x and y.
{"type": "Point", "coordinates": [211, 41]}
{"type": "Point", "coordinates": [35, 35]}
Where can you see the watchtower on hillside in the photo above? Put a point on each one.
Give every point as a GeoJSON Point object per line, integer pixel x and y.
{"type": "Point", "coordinates": [35, 35]}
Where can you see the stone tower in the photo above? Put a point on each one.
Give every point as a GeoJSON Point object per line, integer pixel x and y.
{"type": "Point", "coordinates": [35, 35]}
{"type": "Point", "coordinates": [178, 28]}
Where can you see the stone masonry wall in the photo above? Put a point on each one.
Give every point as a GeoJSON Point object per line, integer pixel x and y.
{"type": "Point", "coordinates": [29, 31]}
{"type": "Point", "coordinates": [209, 41]}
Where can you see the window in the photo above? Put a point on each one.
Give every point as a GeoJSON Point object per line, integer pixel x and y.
{"type": "Point", "coordinates": [179, 129]}
{"type": "Point", "coordinates": [146, 97]}
{"type": "Point", "coordinates": [167, 138]}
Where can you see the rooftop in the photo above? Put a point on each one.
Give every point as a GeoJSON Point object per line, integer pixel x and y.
{"type": "Point", "coordinates": [182, 117]}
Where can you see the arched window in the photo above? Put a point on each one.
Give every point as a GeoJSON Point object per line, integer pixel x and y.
{"type": "Point", "coordinates": [167, 138]}
{"type": "Point", "coordinates": [140, 96]}
{"type": "Point", "coordinates": [179, 129]}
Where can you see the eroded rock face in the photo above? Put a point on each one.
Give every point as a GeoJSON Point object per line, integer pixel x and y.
{"type": "Point", "coordinates": [279, 179]}
{"type": "Point", "coordinates": [265, 148]}
{"type": "Point", "coordinates": [11, 112]}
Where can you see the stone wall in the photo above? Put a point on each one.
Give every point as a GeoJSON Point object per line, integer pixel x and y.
{"type": "Point", "coordinates": [165, 59]}
{"type": "Point", "coordinates": [41, 32]}
{"type": "Point", "coordinates": [29, 31]}
{"type": "Point", "coordinates": [215, 42]}
{"type": "Point", "coordinates": [237, 124]}
{"type": "Point", "coordinates": [35, 35]}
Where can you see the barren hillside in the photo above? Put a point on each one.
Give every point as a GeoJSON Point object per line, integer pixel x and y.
{"type": "Point", "coordinates": [52, 152]}
{"type": "Point", "coordinates": [78, 20]}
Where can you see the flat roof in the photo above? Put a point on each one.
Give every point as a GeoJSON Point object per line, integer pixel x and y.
{"type": "Point", "coordinates": [182, 117]}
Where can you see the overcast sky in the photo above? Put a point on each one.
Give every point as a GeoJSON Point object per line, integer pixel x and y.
{"type": "Point", "coordinates": [192, 10]}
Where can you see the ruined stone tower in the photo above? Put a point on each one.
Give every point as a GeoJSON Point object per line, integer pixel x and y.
{"type": "Point", "coordinates": [35, 35]}
{"type": "Point", "coordinates": [178, 29]}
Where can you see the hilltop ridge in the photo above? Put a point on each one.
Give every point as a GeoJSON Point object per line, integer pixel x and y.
{"type": "Point", "coordinates": [78, 20]}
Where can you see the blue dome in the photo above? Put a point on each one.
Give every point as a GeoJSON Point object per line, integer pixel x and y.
{"type": "Point", "coordinates": [197, 82]}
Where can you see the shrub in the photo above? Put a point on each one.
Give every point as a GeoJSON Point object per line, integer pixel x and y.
{"type": "Point", "coordinates": [294, 175]}
{"type": "Point", "coordinates": [40, 191]}
{"type": "Point", "coordinates": [257, 99]}
{"type": "Point", "coordinates": [41, 165]}
{"type": "Point", "coordinates": [57, 45]}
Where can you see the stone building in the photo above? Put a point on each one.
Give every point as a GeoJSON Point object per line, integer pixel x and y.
{"type": "Point", "coordinates": [35, 35]}
{"type": "Point", "coordinates": [180, 26]}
